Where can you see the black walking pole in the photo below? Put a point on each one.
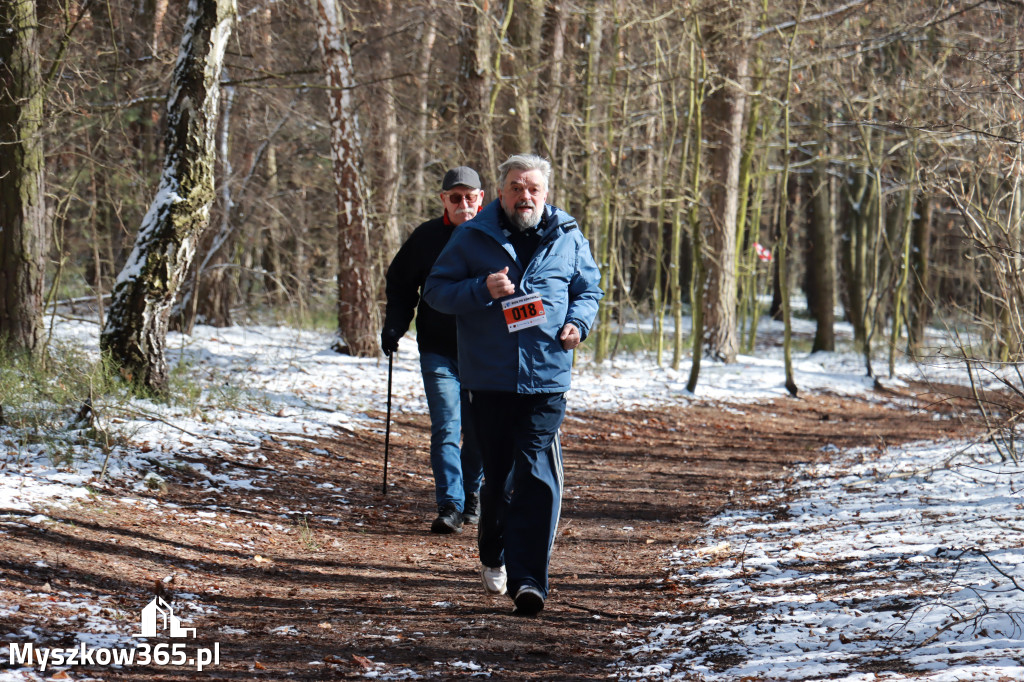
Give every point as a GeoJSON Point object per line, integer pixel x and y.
{"type": "Point", "coordinates": [387, 424]}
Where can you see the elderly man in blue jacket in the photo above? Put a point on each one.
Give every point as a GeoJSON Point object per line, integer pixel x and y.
{"type": "Point", "coordinates": [524, 287]}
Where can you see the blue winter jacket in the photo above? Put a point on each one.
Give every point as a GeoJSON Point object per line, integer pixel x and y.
{"type": "Point", "coordinates": [562, 271]}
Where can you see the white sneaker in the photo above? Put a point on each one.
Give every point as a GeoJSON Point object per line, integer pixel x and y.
{"type": "Point", "coordinates": [494, 579]}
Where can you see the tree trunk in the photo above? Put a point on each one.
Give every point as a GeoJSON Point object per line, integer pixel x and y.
{"type": "Point", "coordinates": [552, 97]}
{"type": "Point", "coordinates": [762, 186]}
{"type": "Point", "coordinates": [873, 296]}
{"type": "Point", "coordinates": [357, 313]}
{"type": "Point", "coordinates": [24, 233]}
{"type": "Point", "coordinates": [783, 251]}
{"type": "Point", "coordinates": [695, 132]}
{"type": "Point", "coordinates": [643, 253]}
{"type": "Point", "coordinates": [388, 187]}
{"type": "Point", "coordinates": [208, 294]}
{"type": "Point", "coordinates": [271, 243]}
{"type": "Point", "coordinates": [421, 196]}
{"type": "Point", "coordinates": [591, 129]}
{"type": "Point", "coordinates": [149, 21]}
{"type": "Point", "coordinates": [135, 334]}
{"type": "Point", "coordinates": [903, 267]}
{"type": "Point", "coordinates": [822, 270]}
{"type": "Point", "coordinates": [781, 221]}
{"type": "Point", "coordinates": [525, 33]}
{"type": "Point", "coordinates": [300, 270]}
{"type": "Point", "coordinates": [156, 10]}
{"type": "Point", "coordinates": [783, 270]}
{"type": "Point", "coordinates": [919, 310]}
{"type": "Point", "coordinates": [668, 126]}
{"type": "Point", "coordinates": [475, 85]}
{"type": "Point", "coordinates": [725, 107]}
{"type": "Point", "coordinates": [608, 246]}
{"type": "Point", "coordinates": [747, 231]}
{"type": "Point", "coordinates": [854, 251]}
{"type": "Point", "coordinates": [273, 239]}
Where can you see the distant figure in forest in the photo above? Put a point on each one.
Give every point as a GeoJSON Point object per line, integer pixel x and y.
{"type": "Point", "coordinates": [524, 287]}
{"type": "Point", "coordinates": [457, 471]}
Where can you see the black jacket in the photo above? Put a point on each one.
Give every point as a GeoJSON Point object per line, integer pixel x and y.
{"type": "Point", "coordinates": [435, 332]}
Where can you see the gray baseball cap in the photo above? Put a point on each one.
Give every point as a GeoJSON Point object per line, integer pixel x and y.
{"type": "Point", "coordinates": [460, 175]}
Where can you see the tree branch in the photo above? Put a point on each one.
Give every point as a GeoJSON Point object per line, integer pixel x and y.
{"type": "Point", "coordinates": [811, 19]}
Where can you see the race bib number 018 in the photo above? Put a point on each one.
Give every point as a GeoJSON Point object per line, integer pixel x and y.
{"type": "Point", "coordinates": [523, 311]}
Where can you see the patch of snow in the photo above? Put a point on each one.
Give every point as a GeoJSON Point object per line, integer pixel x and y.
{"type": "Point", "coordinates": [902, 555]}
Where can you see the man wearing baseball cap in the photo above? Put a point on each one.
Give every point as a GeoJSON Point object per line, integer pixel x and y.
{"type": "Point", "coordinates": [457, 471]}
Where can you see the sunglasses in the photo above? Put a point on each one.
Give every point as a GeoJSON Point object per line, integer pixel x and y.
{"type": "Point", "coordinates": [457, 199]}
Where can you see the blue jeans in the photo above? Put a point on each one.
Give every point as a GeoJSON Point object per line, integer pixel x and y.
{"type": "Point", "coordinates": [521, 500]}
{"type": "Point", "coordinates": [457, 471]}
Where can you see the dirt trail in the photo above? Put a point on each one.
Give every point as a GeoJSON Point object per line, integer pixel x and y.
{"type": "Point", "coordinates": [316, 575]}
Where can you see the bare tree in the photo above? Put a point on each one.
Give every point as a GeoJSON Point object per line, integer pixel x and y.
{"type": "Point", "coordinates": [387, 187]}
{"type": "Point", "coordinates": [357, 313]}
{"type": "Point", "coordinates": [694, 137]}
{"type": "Point", "coordinates": [601, 87]}
{"type": "Point", "coordinates": [785, 229]}
{"type": "Point", "coordinates": [23, 225]}
{"type": "Point", "coordinates": [919, 309]}
{"type": "Point", "coordinates": [135, 334]}
{"type": "Point", "coordinates": [525, 34]}
{"type": "Point", "coordinates": [475, 82]}
{"type": "Point", "coordinates": [726, 105]}
{"type": "Point", "coordinates": [551, 101]}
{"type": "Point", "coordinates": [822, 266]}
{"type": "Point", "coordinates": [427, 36]}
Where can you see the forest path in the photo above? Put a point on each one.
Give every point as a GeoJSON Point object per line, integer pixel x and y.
{"type": "Point", "coordinates": [298, 568]}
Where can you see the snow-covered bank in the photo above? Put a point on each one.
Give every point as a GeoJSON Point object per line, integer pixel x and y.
{"type": "Point", "coordinates": [904, 564]}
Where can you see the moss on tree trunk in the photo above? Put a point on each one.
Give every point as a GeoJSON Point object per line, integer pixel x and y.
{"type": "Point", "coordinates": [135, 333]}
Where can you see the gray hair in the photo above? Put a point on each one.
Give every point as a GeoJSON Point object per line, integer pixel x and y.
{"type": "Point", "coordinates": [524, 162]}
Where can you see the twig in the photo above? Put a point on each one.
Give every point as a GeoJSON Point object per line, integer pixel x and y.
{"type": "Point", "coordinates": [980, 612]}
{"type": "Point", "coordinates": [186, 431]}
{"type": "Point", "coordinates": [1000, 571]}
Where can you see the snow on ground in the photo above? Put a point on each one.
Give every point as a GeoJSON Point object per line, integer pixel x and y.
{"type": "Point", "coordinates": [808, 592]}
{"type": "Point", "coordinates": [908, 561]}
{"type": "Point", "coordinates": [263, 382]}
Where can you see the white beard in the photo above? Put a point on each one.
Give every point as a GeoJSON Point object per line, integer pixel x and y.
{"type": "Point", "coordinates": [524, 222]}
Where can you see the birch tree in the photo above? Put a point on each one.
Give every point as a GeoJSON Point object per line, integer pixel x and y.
{"type": "Point", "coordinates": [23, 226]}
{"type": "Point", "coordinates": [209, 292]}
{"type": "Point", "coordinates": [134, 336]}
{"type": "Point", "coordinates": [357, 315]}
